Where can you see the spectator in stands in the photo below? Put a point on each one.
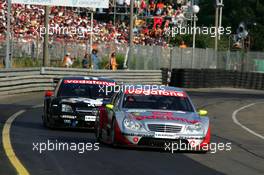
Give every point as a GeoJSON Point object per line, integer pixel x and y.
{"type": "Point", "coordinates": [28, 19]}
{"type": "Point", "coordinates": [158, 31]}
{"type": "Point", "coordinates": [113, 62]}
{"type": "Point", "coordinates": [157, 21]}
{"type": "Point", "coordinates": [152, 7]}
{"type": "Point", "coordinates": [86, 61]}
{"type": "Point", "coordinates": [67, 61]}
{"type": "Point", "coordinates": [183, 45]}
{"type": "Point", "coordinates": [143, 8]}
{"type": "Point", "coordinates": [159, 7]}
{"type": "Point", "coordinates": [95, 60]}
{"type": "Point", "coordinates": [170, 11]}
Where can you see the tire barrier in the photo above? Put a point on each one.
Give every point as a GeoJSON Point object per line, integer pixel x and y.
{"type": "Point", "coordinates": [213, 78]}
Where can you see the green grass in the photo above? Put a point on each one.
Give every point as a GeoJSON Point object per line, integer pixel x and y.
{"type": "Point", "coordinates": [26, 62]}
{"type": "Point", "coordinates": [29, 62]}
{"type": "Point", "coordinates": [119, 59]}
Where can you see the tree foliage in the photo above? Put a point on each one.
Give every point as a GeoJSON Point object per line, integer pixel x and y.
{"type": "Point", "coordinates": [234, 12]}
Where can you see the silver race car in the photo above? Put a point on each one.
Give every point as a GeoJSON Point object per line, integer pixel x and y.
{"type": "Point", "coordinates": [142, 116]}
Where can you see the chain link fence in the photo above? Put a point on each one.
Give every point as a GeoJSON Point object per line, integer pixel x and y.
{"type": "Point", "coordinates": [146, 57]}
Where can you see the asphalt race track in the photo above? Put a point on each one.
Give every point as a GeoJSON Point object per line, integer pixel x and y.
{"type": "Point", "coordinates": [245, 157]}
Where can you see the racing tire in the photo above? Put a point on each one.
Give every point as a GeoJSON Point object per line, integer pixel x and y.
{"type": "Point", "coordinates": [113, 134]}
{"type": "Point", "coordinates": [51, 124]}
{"type": "Point", "coordinates": [44, 121]}
{"type": "Point", "coordinates": [98, 132]}
{"type": "Point", "coordinates": [48, 123]}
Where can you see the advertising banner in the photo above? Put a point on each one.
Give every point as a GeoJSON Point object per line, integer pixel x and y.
{"type": "Point", "coordinates": [70, 3]}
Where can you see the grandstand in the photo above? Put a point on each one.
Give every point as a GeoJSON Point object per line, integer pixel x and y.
{"type": "Point", "coordinates": [153, 18]}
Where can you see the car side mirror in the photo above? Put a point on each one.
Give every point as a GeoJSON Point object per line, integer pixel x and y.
{"type": "Point", "coordinates": [203, 113]}
{"type": "Point", "coordinates": [110, 106]}
{"type": "Point", "coordinates": [49, 93]}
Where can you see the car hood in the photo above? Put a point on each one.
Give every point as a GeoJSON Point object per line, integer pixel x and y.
{"type": "Point", "coordinates": [157, 116]}
{"type": "Point", "coordinates": [82, 101]}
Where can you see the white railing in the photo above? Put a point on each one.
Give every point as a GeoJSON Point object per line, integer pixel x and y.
{"type": "Point", "coordinates": [16, 81]}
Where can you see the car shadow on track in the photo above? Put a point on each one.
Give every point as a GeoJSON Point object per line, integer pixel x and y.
{"type": "Point", "coordinates": [40, 126]}
{"type": "Point", "coordinates": [58, 134]}
{"type": "Point", "coordinates": [149, 149]}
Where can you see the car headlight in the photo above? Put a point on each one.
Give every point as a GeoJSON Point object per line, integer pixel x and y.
{"type": "Point", "coordinates": [131, 124]}
{"type": "Point", "coordinates": [66, 108]}
{"type": "Point", "coordinates": [197, 127]}
{"type": "Point", "coordinates": [95, 112]}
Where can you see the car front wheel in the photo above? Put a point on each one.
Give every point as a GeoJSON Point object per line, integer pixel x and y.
{"type": "Point", "coordinates": [98, 131]}
{"type": "Point", "coordinates": [47, 122]}
{"type": "Point", "coordinates": [113, 133]}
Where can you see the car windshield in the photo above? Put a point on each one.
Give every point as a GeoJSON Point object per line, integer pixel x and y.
{"type": "Point", "coordinates": [157, 102]}
{"type": "Point", "coordinates": [84, 90]}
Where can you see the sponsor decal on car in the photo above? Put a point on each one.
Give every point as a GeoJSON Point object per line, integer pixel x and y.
{"type": "Point", "coordinates": [136, 110]}
{"type": "Point", "coordinates": [94, 82]}
{"type": "Point", "coordinates": [90, 102]}
{"type": "Point", "coordinates": [172, 118]}
{"type": "Point", "coordinates": [156, 92]}
{"type": "Point", "coordinates": [90, 118]}
{"type": "Point", "coordinates": [163, 135]}
{"type": "Point", "coordinates": [68, 117]}
{"type": "Point", "coordinates": [161, 116]}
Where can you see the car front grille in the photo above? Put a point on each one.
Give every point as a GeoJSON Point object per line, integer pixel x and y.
{"type": "Point", "coordinates": [165, 128]}
{"type": "Point", "coordinates": [83, 110]}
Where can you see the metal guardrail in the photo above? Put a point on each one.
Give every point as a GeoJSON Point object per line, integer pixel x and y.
{"type": "Point", "coordinates": [18, 72]}
{"type": "Point", "coordinates": [17, 81]}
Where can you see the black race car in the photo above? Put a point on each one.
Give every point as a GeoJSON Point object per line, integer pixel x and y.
{"type": "Point", "coordinates": [75, 101]}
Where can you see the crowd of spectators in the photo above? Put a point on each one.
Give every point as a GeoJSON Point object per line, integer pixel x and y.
{"type": "Point", "coordinates": [154, 17]}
